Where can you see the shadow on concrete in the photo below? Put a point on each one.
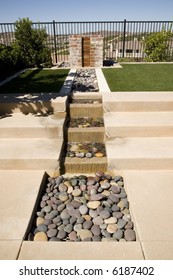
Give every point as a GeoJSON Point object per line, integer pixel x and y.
{"type": "Point", "coordinates": [33, 103]}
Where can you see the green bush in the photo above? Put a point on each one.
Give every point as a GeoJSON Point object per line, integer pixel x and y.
{"type": "Point", "coordinates": [156, 46]}
{"type": "Point", "coordinates": [10, 61]}
{"type": "Point", "coordinates": [28, 50]}
{"type": "Point", "coordinates": [30, 43]}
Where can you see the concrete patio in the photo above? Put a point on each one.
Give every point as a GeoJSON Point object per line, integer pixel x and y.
{"type": "Point", "coordinates": [139, 143]}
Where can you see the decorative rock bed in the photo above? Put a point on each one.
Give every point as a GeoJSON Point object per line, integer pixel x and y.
{"type": "Point", "coordinates": [86, 101]}
{"type": "Point", "coordinates": [85, 122]}
{"type": "Point", "coordinates": [81, 208]}
{"type": "Point", "coordinates": [88, 150]}
{"type": "Point", "coordinates": [85, 81]}
{"type": "Point", "coordinates": [84, 208]}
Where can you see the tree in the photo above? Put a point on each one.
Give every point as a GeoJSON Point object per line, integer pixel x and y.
{"type": "Point", "coordinates": [30, 43]}
{"type": "Point", "coordinates": [156, 46]}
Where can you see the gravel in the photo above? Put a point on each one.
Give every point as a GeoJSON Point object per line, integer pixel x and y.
{"type": "Point", "coordinates": [85, 81]}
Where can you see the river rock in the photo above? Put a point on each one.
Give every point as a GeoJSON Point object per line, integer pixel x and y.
{"type": "Point", "coordinates": [99, 155]}
{"type": "Point", "coordinates": [112, 228]}
{"type": "Point", "coordinates": [104, 214]}
{"type": "Point", "coordinates": [130, 235]}
{"type": "Point", "coordinates": [76, 192]}
{"type": "Point", "coordinates": [98, 220]}
{"type": "Point", "coordinates": [87, 224]}
{"type": "Point", "coordinates": [111, 220]}
{"type": "Point", "coordinates": [95, 229]}
{"type": "Point", "coordinates": [118, 234]}
{"type": "Point", "coordinates": [68, 228]}
{"type": "Point", "coordinates": [93, 204]}
{"type": "Point", "coordinates": [121, 223]}
{"type": "Point", "coordinates": [40, 221]}
{"type": "Point", "coordinates": [61, 234]}
{"type": "Point", "coordinates": [83, 209]}
{"type": "Point", "coordinates": [47, 209]}
{"type": "Point", "coordinates": [63, 196]}
{"type": "Point", "coordinates": [84, 233]}
{"type": "Point", "coordinates": [42, 227]}
{"type": "Point", "coordinates": [96, 196]}
{"type": "Point", "coordinates": [52, 232]}
{"type": "Point", "coordinates": [40, 236]}
{"type": "Point", "coordinates": [73, 236]}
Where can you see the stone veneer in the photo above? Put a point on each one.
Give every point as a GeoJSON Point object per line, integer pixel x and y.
{"type": "Point", "coordinates": [86, 51]}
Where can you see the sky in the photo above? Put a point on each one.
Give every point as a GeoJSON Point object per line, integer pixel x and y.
{"type": "Point", "coordinates": [85, 10]}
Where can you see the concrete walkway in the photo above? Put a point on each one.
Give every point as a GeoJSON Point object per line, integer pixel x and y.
{"type": "Point", "coordinates": [139, 147]}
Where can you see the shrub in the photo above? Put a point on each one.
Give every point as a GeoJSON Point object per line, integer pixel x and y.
{"type": "Point", "coordinates": [10, 61]}
{"type": "Point", "coordinates": [156, 46]}
{"type": "Point", "coordinates": [30, 43]}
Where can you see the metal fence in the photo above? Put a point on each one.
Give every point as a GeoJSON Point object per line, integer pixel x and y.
{"type": "Point", "coordinates": [122, 39]}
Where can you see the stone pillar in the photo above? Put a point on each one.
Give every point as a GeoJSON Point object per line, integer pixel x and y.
{"type": "Point", "coordinates": [86, 51]}
{"type": "Point", "coordinates": [75, 46]}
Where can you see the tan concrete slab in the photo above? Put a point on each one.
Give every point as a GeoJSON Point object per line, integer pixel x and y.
{"type": "Point", "coordinates": [81, 251]}
{"type": "Point", "coordinates": [29, 126]}
{"type": "Point", "coordinates": [158, 250]}
{"type": "Point", "coordinates": [19, 190]}
{"type": "Point", "coordinates": [32, 103]}
{"type": "Point", "coordinates": [138, 124]}
{"type": "Point", "coordinates": [140, 153]}
{"type": "Point", "coordinates": [9, 249]}
{"type": "Point", "coordinates": [150, 195]}
{"type": "Point", "coordinates": [33, 153]}
{"type": "Point", "coordinates": [137, 101]}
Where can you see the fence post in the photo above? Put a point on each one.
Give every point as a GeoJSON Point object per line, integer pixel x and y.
{"type": "Point", "coordinates": [124, 37]}
{"type": "Point", "coordinates": [54, 36]}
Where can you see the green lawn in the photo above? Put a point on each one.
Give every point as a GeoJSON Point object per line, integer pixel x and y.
{"type": "Point", "coordinates": [36, 81]}
{"type": "Point", "coordinates": [140, 77]}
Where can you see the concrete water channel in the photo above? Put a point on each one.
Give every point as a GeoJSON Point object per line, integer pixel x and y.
{"type": "Point", "coordinates": [37, 154]}
{"type": "Point", "coordinates": [86, 202]}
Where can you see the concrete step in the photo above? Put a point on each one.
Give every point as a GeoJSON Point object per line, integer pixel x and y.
{"type": "Point", "coordinates": [138, 124]}
{"type": "Point", "coordinates": [89, 134]}
{"type": "Point", "coordinates": [29, 126]}
{"type": "Point", "coordinates": [32, 103]}
{"type": "Point", "coordinates": [86, 110]}
{"type": "Point", "coordinates": [85, 165]}
{"type": "Point", "coordinates": [150, 195]}
{"type": "Point", "coordinates": [30, 153]}
{"type": "Point", "coordinates": [137, 101]}
{"type": "Point", "coordinates": [140, 153]}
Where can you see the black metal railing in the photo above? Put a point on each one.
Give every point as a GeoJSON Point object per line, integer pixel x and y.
{"type": "Point", "coordinates": [122, 39]}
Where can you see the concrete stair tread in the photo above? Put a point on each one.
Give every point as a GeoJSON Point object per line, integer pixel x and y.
{"type": "Point", "coordinates": [34, 148]}
{"type": "Point", "coordinates": [150, 195]}
{"type": "Point", "coordinates": [32, 103]}
{"type": "Point", "coordinates": [138, 96]}
{"type": "Point", "coordinates": [30, 153]}
{"type": "Point", "coordinates": [26, 121]}
{"type": "Point", "coordinates": [21, 125]}
{"type": "Point", "coordinates": [140, 153]}
{"type": "Point", "coordinates": [152, 147]}
{"type": "Point", "coordinates": [137, 101]}
{"type": "Point", "coordinates": [139, 124]}
{"type": "Point", "coordinates": [142, 119]}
